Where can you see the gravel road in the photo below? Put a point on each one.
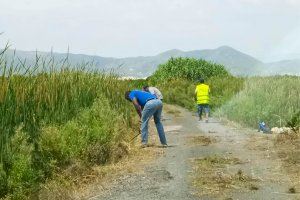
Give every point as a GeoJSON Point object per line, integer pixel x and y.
{"type": "Point", "coordinates": [171, 175]}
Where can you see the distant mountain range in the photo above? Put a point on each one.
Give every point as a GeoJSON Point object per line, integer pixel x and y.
{"type": "Point", "coordinates": [235, 61]}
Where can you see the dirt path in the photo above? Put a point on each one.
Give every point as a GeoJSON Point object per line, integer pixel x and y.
{"type": "Point", "coordinates": [172, 175]}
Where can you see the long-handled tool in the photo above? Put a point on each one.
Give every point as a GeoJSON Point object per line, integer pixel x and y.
{"type": "Point", "coordinates": [136, 135]}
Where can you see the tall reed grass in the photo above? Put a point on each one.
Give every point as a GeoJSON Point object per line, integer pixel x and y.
{"type": "Point", "coordinates": [275, 100]}
{"type": "Point", "coordinates": [52, 114]}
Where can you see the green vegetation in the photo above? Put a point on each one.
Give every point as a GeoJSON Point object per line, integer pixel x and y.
{"type": "Point", "coordinates": [177, 80]}
{"type": "Point", "coordinates": [182, 92]}
{"type": "Point", "coordinates": [52, 120]}
{"type": "Point", "coordinates": [188, 69]}
{"type": "Point", "coordinates": [274, 100]}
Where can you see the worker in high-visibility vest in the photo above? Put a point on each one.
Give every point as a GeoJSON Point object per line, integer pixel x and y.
{"type": "Point", "coordinates": [202, 96]}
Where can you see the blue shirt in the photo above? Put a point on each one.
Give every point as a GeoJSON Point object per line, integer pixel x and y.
{"type": "Point", "coordinates": [141, 96]}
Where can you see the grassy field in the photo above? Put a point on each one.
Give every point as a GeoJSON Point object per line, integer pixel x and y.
{"type": "Point", "coordinates": [54, 116]}
{"type": "Point", "coordinates": [274, 100]}
{"type": "Point", "coordinates": [51, 119]}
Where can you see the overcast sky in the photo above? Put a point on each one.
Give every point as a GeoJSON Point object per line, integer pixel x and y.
{"type": "Point", "coordinates": [266, 29]}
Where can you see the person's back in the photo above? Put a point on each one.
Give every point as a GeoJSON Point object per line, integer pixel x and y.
{"type": "Point", "coordinates": [202, 96]}
{"type": "Point", "coordinates": [141, 96]}
{"type": "Point", "coordinates": [202, 91]}
{"type": "Point", "coordinates": [147, 105]}
{"type": "Point", "coordinates": [156, 92]}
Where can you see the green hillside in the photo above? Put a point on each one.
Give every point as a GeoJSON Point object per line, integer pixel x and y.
{"type": "Point", "coordinates": [236, 62]}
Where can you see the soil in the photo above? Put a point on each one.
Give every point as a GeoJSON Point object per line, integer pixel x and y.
{"type": "Point", "coordinates": [256, 173]}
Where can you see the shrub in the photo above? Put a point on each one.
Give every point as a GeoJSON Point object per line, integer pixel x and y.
{"type": "Point", "coordinates": [189, 69]}
{"type": "Point", "coordinates": [92, 137]}
{"type": "Point", "coordinates": [177, 80]}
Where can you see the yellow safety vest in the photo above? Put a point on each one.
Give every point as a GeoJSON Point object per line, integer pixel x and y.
{"type": "Point", "coordinates": [202, 92]}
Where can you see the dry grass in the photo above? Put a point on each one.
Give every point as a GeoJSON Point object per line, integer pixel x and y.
{"type": "Point", "coordinates": [212, 177]}
{"type": "Point", "coordinates": [218, 161]}
{"type": "Point", "coordinates": [259, 143]}
{"type": "Point", "coordinates": [202, 140]}
{"type": "Point", "coordinates": [287, 138]}
{"type": "Point", "coordinates": [288, 150]}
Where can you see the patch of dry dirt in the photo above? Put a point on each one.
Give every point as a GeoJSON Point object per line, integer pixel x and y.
{"type": "Point", "coordinates": [288, 149]}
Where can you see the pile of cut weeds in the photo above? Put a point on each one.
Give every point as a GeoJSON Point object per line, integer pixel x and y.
{"type": "Point", "coordinates": [212, 177]}
{"type": "Point", "coordinates": [203, 140]}
{"type": "Point", "coordinates": [174, 111]}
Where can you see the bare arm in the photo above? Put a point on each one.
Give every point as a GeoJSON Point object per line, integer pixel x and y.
{"type": "Point", "coordinates": [137, 107]}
